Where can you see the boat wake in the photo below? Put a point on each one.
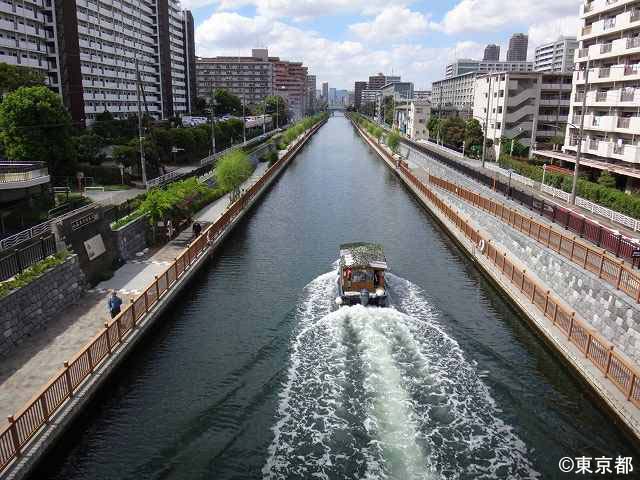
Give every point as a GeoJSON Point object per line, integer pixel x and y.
{"type": "Point", "coordinates": [385, 393]}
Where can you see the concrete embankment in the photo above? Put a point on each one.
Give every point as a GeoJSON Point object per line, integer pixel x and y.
{"type": "Point", "coordinates": [36, 428]}
{"type": "Point", "coordinates": [458, 226]}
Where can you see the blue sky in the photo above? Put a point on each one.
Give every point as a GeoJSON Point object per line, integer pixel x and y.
{"type": "Point", "coordinates": [346, 40]}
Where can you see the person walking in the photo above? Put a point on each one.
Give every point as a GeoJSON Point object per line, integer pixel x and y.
{"type": "Point", "coordinates": [197, 228]}
{"type": "Point", "coordinates": [114, 303]}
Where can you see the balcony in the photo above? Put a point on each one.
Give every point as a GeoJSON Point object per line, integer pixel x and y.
{"type": "Point", "coordinates": [593, 144]}
{"type": "Point", "coordinates": [22, 175]}
{"type": "Point", "coordinates": [604, 72]}
{"type": "Point", "coordinates": [626, 153]}
{"type": "Point", "coordinates": [601, 96]}
{"type": "Point", "coordinates": [635, 15]}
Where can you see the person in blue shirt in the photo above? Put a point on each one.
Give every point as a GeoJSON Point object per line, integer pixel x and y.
{"type": "Point", "coordinates": [114, 302]}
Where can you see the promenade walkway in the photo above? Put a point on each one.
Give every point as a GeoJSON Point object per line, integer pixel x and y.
{"type": "Point", "coordinates": [33, 363]}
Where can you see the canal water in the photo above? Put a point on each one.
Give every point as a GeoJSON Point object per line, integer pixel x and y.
{"type": "Point", "coordinates": [253, 373]}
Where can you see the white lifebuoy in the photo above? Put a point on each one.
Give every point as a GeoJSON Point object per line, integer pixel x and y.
{"type": "Point", "coordinates": [481, 246]}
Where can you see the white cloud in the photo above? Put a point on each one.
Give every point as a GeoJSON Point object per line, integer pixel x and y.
{"type": "Point", "coordinates": [488, 15]}
{"type": "Point", "coordinates": [338, 62]}
{"type": "Point", "coordinates": [300, 9]}
{"type": "Point", "coordinates": [392, 23]}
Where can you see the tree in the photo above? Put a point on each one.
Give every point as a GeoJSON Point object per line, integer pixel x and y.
{"type": "Point", "coordinates": [13, 77]}
{"type": "Point", "coordinates": [387, 109]}
{"type": "Point", "coordinates": [607, 180]}
{"type": "Point", "coordinates": [231, 170]}
{"type": "Point", "coordinates": [199, 106]}
{"type": "Point", "coordinates": [473, 135]}
{"type": "Point", "coordinates": [35, 126]}
{"type": "Point", "coordinates": [433, 125]}
{"type": "Point", "coordinates": [452, 131]}
{"type": "Point", "coordinates": [273, 104]}
{"type": "Point", "coordinates": [157, 204]}
{"type": "Point", "coordinates": [227, 103]}
{"type": "Point", "coordinates": [393, 140]}
{"type": "Point", "coordinates": [88, 147]}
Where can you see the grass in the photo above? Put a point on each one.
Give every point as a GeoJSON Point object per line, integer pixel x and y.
{"type": "Point", "coordinates": [126, 219]}
{"type": "Point", "coordinates": [115, 188]}
{"type": "Point", "coordinates": [32, 273]}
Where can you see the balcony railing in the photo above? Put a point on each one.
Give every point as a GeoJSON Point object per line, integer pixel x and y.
{"type": "Point", "coordinates": [595, 122]}
{"type": "Point", "coordinates": [586, 30]}
{"type": "Point", "coordinates": [623, 122]}
{"type": "Point", "coordinates": [604, 72]}
{"type": "Point", "coordinates": [593, 144]}
{"type": "Point", "coordinates": [635, 15]}
{"type": "Point", "coordinates": [578, 97]}
{"type": "Point", "coordinates": [606, 47]}
{"type": "Point", "coordinates": [583, 52]}
{"type": "Point", "coordinates": [630, 69]}
{"type": "Point", "coordinates": [633, 42]}
{"type": "Point", "coordinates": [577, 119]}
{"type": "Point", "coordinates": [22, 172]}
{"type": "Point", "coordinates": [618, 149]}
{"type": "Point", "coordinates": [601, 96]}
{"type": "Point", "coordinates": [627, 95]}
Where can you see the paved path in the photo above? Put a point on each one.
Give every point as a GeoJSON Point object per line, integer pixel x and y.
{"type": "Point", "coordinates": [33, 363]}
{"type": "Point", "coordinates": [115, 197]}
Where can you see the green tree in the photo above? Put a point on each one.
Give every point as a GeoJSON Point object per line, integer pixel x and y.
{"type": "Point", "coordinates": [387, 109]}
{"type": "Point", "coordinates": [452, 131]}
{"type": "Point", "coordinates": [433, 125]}
{"type": "Point", "coordinates": [158, 203]}
{"type": "Point", "coordinates": [607, 180]}
{"type": "Point", "coordinates": [227, 103]}
{"type": "Point", "coordinates": [88, 147]}
{"type": "Point", "coordinates": [473, 134]}
{"type": "Point", "coordinates": [231, 170]}
{"type": "Point", "coordinates": [34, 126]}
{"type": "Point", "coordinates": [273, 104]}
{"type": "Point", "coordinates": [393, 140]}
{"type": "Point", "coordinates": [13, 77]}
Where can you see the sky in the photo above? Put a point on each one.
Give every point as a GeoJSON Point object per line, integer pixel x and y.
{"type": "Point", "coordinates": [342, 41]}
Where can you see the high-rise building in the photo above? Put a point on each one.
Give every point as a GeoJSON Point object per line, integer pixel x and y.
{"type": "Point", "coordinates": [467, 65]}
{"type": "Point", "coordinates": [290, 82]}
{"type": "Point", "coordinates": [492, 52]}
{"type": "Point", "coordinates": [609, 42]}
{"type": "Point", "coordinates": [376, 82]}
{"type": "Point", "coordinates": [332, 95]}
{"type": "Point", "coordinates": [190, 59]}
{"type": "Point", "coordinates": [518, 46]}
{"type": "Point", "coordinates": [556, 56]}
{"type": "Point", "coordinates": [325, 92]}
{"type": "Point", "coordinates": [311, 92]}
{"type": "Point", "coordinates": [357, 93]}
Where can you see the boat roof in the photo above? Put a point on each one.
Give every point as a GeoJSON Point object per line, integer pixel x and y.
{"type": "Point", "coordinates": [362, 254]}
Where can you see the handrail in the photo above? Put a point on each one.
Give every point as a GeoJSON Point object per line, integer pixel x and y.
{"type": "Point", "coordinates": [597, 262]}
{"type": "Point", "coordinates": [25, 424]}
{"type": "Point", "coordinates": [594, 347]}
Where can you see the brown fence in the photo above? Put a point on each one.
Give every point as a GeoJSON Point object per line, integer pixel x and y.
{"type": "Point", "coordinates": [28, 421]}
{"type": "Point", "coordinates": [589, 342]}
{"type": "Point", "coordinates": [611, 270]}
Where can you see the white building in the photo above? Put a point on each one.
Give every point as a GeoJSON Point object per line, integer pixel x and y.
{"type": "Point", "coordinates": [556, 56]}
{"type": "Point", "coordinates": [530, 107]}
{"type": "Point", "coordinates": [467, 65]}
{"type": "Point", "coordinates": [454, 95]}
{"type": "Point", "coordinates": [610, 41]}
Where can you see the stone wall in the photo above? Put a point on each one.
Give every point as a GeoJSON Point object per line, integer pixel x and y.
{"type": "Point", "coordinates": [30, 308]}
{"type": "Point", "coordinates": [132, 238]}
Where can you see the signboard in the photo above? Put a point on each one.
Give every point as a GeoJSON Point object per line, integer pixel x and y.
{"type": "Point", "coordinates": [94, 247]}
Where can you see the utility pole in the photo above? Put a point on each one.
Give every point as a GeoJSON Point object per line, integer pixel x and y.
{"type": "Point", "coordinates": [244, 120]}
{"type": "Point", "coordinates": [140, 132]}
{"type": "Point", "coordinates": [486, 123]}
{"type": "Point", "coordinates": [574, 186]}
{"type": "Point", "coordinates": [213, 122]}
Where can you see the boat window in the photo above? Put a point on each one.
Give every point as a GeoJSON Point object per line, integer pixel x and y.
{"type": "Point", "coordinates": [362, 276]}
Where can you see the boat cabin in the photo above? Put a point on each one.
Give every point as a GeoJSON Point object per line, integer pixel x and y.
{"type": "Point", "coordinates": [361, 275]}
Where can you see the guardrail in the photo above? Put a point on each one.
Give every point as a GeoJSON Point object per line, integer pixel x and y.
{"type": "Point", "coordinates": [594, 347]}
{"type": "Point", "coordinates": [611, 270]}
{"type": "Point", "coordinates": [20, 260]}
{"type": "Point", "coordinates": [603, 237]}
{"type": "Point", "coordinates": [38, 412]}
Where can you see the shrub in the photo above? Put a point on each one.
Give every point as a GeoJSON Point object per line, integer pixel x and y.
{"type": "Point", "coordinates": [33, 272]}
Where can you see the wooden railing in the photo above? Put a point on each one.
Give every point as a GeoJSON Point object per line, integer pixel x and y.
{"type": "Point", "coordinates": [594, 347]}
{"type": "Point", "coordinates": [611, 270]}
{"type": "Point", "coordinates": [28, 421]}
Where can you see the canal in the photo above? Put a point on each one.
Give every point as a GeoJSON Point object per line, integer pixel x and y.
{"type": "Point", "coordinates": [253, 375]}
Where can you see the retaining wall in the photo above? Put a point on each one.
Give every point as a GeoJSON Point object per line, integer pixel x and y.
{"type": "Point", "coordinates": [28, 309]}
{"type": "Point", "coordinates": [132, 237]}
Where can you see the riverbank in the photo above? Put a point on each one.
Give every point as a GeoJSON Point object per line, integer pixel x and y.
{"type": "Point", "coordinates": [464, 231]}
{"type": "Point", "coordinates": [37, 426]}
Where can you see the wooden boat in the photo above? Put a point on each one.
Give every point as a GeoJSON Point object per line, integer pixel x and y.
{"type": "Point", "coordinates": [361, 275]}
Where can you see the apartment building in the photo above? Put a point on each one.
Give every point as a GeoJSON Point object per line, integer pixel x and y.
{"type": "Point", "coordinates": [290, 82]}
{"type": "Point", "coordinates": [556, 56]}
{"type": "Point", "coordinates": [610, 45]}
{"type": "Point", "coordinates": [250, 78]}
{"type": "Point", "coordinates": [311, 93]}
{"type": "Point", "coordinates": [325, 91]}
{"type": "Point", "coordinates": [357, 93]}
{"type": "Point", "coordinates": [492, 53]}
{"type": "Point", "coordinates": [422, 95]}
{"type": "Point", "coordinates": [467, 65]}
{"type": "Point", "coordinates": [89, 49]}
{"type": "Point", "coordinates": [531, 107]}
{"type": "Point", "coordinates": [190, 59]}
{"type": "Point", "coordinates": [28, 37]}
{"type": "Point", "coordinates": [412, 117]}
{"type": "Point", "coordinates": [376, 82]}
{"type": "Point", "coordinates": [454, 95]}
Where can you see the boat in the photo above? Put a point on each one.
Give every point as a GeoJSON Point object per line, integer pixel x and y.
{"type": "Point", "coordinates": [361, 275]}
